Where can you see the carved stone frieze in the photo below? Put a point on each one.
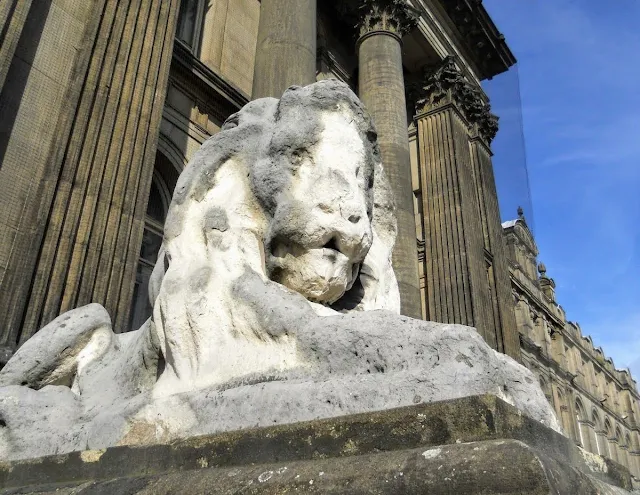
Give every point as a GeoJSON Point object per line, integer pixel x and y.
{"type": "Point", "coordinates": [394, 16]}
{"type": "Point", "coordinates": [445, 84]}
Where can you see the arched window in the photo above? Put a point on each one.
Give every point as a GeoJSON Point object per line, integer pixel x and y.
{"type": "Point", "coordinates": [584, 435]}
{"type": "Point", "coordinates": [543, 384]}
{"type": "Point", "coordinates": [620, 452]}
{"type": "Point", "coordinates": [627, 448]}
{"type": "Point", "coordinates": [163, 183]}
{"type": "Point", "coordinates": [600, 445]}
{"type": "Point", "coordinates": [608, 434]}
{"type": "Point", "coordinates": [627, 442]}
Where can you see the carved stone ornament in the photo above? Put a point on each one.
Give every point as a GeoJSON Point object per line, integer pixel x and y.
{"type": "Point", "coordinates": [274, 301]}
{"type": "Point", "coordinates": [446, 84]}
{"type": "Point", "coordinates": [395, 16]}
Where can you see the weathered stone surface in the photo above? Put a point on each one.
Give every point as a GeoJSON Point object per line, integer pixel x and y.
{"type": "Point", "coordinates": [280, 221]}
{"type": "Point", "coordinates": [428, 443]}
{"type": "Point", "coordinates": [495, 467]}
{"type": "Point", "coordinates": [349, 364]}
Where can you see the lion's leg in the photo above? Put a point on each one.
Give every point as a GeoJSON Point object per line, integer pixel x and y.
{"type": "Point", "coordinates": [58, 352]}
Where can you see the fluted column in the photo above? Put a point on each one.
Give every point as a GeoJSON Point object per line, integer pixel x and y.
{"type": "Point", "coordinates": [89, 213]}
{"type": "Point", "coordinates": [13, 15]}
{"type": "Point", "coordinates": [382, 90]}
{"type": "Point", "coordinates": [482, 132]}
{"type": "Point", "coordinates": [467, 279]}
{"type": "Point", "coordinates": [286, 46]}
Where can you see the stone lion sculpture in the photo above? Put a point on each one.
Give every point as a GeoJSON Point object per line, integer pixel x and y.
{"type": "Point", "coordinates": [274, 300]}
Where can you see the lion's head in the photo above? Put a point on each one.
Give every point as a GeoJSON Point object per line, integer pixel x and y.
{"type": "Point", "coordinates": [292, 190]}
{"type": "Point", "coordinates": [315, 181]}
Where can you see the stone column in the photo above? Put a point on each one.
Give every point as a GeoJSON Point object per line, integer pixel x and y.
{"type": "Point", "coordinates": [13, 16]}
{"type": "Point", "coordinates": [467, 277]}
{"type": "Point", "coordinates": [286, 47]}
{"type": "Point", "coordinates": [382, 90]}
{"type": "Point", "coordinates": [505, 328]}
{"type": "Point", "coordinates": [88, 214]}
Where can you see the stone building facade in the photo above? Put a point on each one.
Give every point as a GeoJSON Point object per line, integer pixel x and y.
{"type": "Point", "coordinates": [597, 404]}
{"type": "Point", "coordinates": [103, 103]}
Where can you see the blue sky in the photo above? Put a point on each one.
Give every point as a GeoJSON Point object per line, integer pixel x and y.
{"type": "Point", "coordinates": [579, 72]}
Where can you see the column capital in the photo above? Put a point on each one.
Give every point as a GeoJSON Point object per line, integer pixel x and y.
{"type": "Point", "coordinates": [445, 84]}
{"type": "Point", "coordinates": [392, 16]}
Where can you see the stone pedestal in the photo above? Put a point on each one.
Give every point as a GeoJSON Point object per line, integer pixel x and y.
{"type": "Point", "coordinates": [472, 445]}
{"type": "Point", "coordinates": [382, 90]}
{"type": "Point", "coordinates": [286, 47]}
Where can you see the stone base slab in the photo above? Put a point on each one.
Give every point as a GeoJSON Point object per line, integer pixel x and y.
{"type": "Point", "coordinates": [471, 445]}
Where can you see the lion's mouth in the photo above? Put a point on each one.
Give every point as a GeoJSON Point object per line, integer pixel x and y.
{"type": "Point", "coordinates": [332, 251]}
{"type": "Point", "coordinates": [322, 274]}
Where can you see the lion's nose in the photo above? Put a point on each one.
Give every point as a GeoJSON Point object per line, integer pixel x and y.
{"type": "Point", "coordinates": [346, 228]}
{"type": "Point", "coordinates": [353, 245]}
{"type": "Point", "coordinates": [350, 236]}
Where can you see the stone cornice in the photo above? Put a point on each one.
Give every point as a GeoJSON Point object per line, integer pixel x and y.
{"type": "Point", "coordinates": [445, 84]}
{"type": "Point", "coordinates": [394, 16]}
{"type": "Point", "coordinates": [587, 422]}
{"type": "Point", "coordinates": [325, 57]}
{"type": "Point", "coordinates": [480, 35]}
{"type": "Point", "coordinates": [540, 306]}
{"type": "Point", "coordinates": [541, 357]}
{"type": "Point", "coordinates": [223, 97]}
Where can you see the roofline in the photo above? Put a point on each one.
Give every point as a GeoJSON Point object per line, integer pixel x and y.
{"type": "Point", "coordinates": [481, 36]}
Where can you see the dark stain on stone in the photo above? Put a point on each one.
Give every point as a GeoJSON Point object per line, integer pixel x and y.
{"type": "Point", "coordinates": [216, 219]}
{"type": "Point", "coordinates": [488, 419]}
{"type": "Point", "coordinates": [463, 358]}
{"type": "Point", "coordinates": [440, 434]}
